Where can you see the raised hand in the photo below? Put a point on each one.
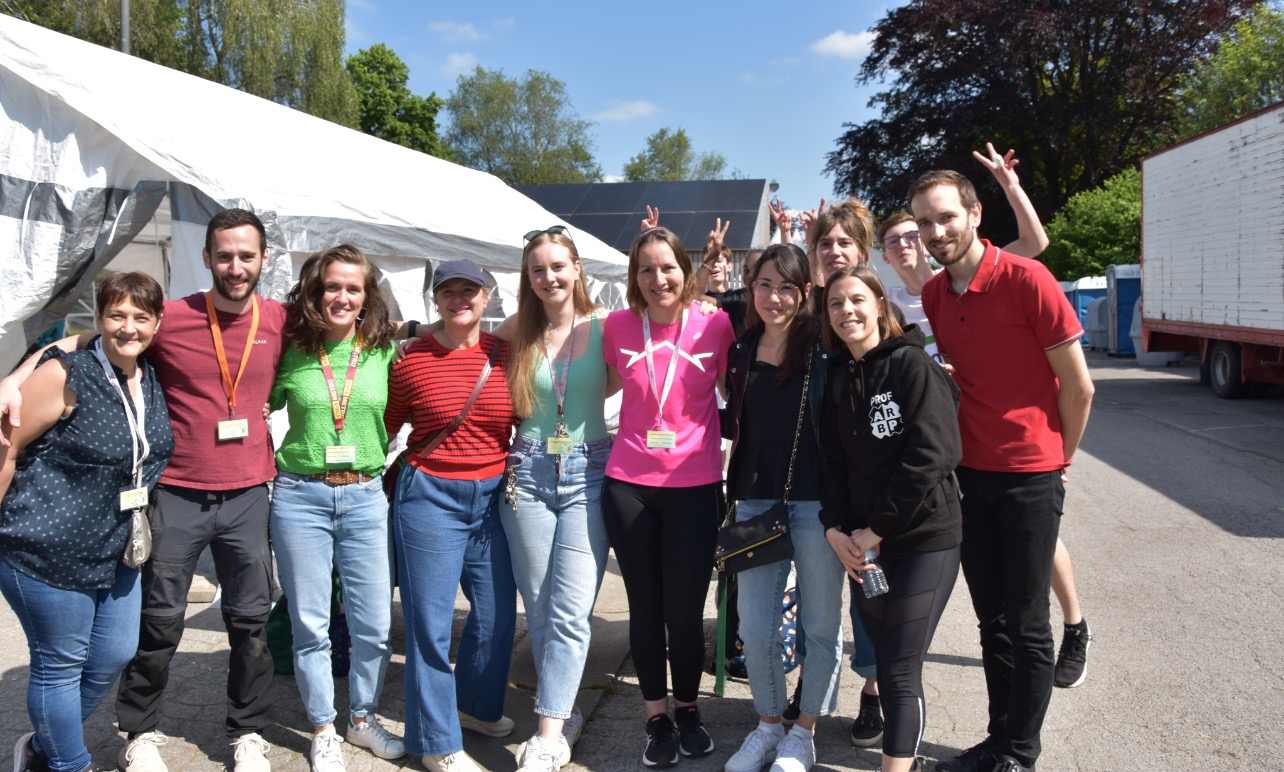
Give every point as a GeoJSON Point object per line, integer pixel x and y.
{"type": "Point", "coordinates": [809, 217]}
{"type": "Point", "coordinates": [1003, 167]}
{"type": "Point", "coordinates": [714, 241]}
{"type": "Point", "coordinates": [652, 219]}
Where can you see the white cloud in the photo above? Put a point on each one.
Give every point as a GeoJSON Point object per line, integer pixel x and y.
{"type": "Point", "coordinates": [844, 44]}
{"type": "Point", "coordinates": [364, 5]}
{"type": "Point", "coordinates": [457, 64]}
{"type": "Point", "coordinates": [504, 24]}
{"type": "Point", "coordinates": [451, 30]}
{"type": "Point", "coordinates": [622, 112]}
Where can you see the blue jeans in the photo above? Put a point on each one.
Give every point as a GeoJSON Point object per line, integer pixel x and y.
{"type": "Point", "coordinates": [78, 641]}
{"type": "Point", "coordinates": [864, 661]}
{"type": "Point", "coordinates": [317, 527]}
{"type": "Point", "coordinates": [820, 609]}
{"type": "Point", "coordinates": [559, 545]}
{"type": "Point", "coordinates": [448, 533]}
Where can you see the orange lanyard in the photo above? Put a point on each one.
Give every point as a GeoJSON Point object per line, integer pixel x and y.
{"type": "Point", "coordinates": [229, 386]}
{"type": "Point", "coordinates": [339, 403]}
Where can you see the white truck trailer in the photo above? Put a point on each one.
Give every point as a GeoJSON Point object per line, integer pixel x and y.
{"type": "Point", "coordinates": [1212, 244]}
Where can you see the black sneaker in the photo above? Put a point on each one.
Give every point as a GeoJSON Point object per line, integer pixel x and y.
{"type": "Point", "coordinates": [1072, 660]}
{"type": "Point", "coordinates": [793, 708]}
{"type": "Point", "coordinates": [25, 758]}
{"type": "Point", "coordinates": [867, 729]}
{"type": "Point", "coordinates": [661, 742]}
{"type": "Point", "coordinates": [693, 739]}
{"type": "Point", "coordinates": [979, 758]}
{"type": "Point", "coordinates": [1009, 764]}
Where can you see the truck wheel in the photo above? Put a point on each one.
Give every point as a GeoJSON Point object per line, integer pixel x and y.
{"type": "Point", "coordinates": [1225, 371]}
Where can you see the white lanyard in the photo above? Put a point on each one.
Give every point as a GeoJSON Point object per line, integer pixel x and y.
{"type": "Point", "coordinates": [138, 436]}
{"type": "Point", "coordinates": [661, 396]}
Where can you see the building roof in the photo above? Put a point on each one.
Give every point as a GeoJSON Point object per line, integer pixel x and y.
{"type": "Point", "coordinates": [613, 211]}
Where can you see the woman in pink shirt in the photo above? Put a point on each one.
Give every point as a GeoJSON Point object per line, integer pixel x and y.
{"type": "Point", "coordinates": [662, 498]}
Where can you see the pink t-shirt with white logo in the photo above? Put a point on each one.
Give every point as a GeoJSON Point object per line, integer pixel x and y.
{"type": "Point", "coordinates": [691, 409]}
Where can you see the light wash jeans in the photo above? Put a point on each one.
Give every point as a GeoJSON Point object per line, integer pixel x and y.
{"type": "Point", "coordinates": [448, 534]}
{"type": "Point", "coordinates": [317, 527]}
{"type": "Point", "coordinates": [558, 542]}
{"type": "Point", "coordinates": [820, 613]}
{"type": "Point", "coordinates": [78, 641]}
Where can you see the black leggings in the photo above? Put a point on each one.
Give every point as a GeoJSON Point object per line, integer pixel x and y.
{"type": "Point", "coordinates": [901, 624]}
{"type": "Point", "coordinates": [664, 539]}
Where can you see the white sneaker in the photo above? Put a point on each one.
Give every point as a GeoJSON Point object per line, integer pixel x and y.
{"type": "Point", "coordinates": [327, 755]}
{"type": "Point", "coordinates": [500, 728]}
{"type": "Point", "coordinates": [373, 736]}
{"type": "Point", "coordinates": [795, 753]}
{"type": "Point", "coordinates": [536, 755]}
{"type": "Point", "coordinates": [451, 762]}
{"type": "Point", "coordinates": [141, 754]}
{"type": "Point", "coordinates": [250, 754]}
{"type": "Point", "coordinates": [757, 751]}
{"type": "Point", "coordinates": [573, 727]}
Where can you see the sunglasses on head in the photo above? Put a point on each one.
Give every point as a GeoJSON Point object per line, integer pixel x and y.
{"type": "Point", "coordinates": [550, 230]}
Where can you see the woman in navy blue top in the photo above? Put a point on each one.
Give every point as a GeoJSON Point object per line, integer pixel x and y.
{"type": "Point", "coordinates": [94, 441]}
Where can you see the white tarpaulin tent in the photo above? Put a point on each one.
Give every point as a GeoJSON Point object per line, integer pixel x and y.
{"type": "Point", "coordinates": [92, 141]}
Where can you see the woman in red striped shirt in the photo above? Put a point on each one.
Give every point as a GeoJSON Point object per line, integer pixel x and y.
{"type": "Point", "coordinates": [447, 527]}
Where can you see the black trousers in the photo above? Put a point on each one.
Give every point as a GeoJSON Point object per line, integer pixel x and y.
{"type": "Point", "coordinates": [1010, 526]}
{"type": "Point", "coordinates": [664, 540]}
{"type": "Point", "coordinates": [234, 524]}
{"type": "Point", "coordinates": [900, 623]}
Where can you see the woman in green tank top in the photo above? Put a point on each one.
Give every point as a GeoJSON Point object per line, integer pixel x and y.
{"type": "Point", "coordinates": [552, 511]}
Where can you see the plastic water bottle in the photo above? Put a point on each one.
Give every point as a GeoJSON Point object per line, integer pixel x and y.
{"type": "Point", "coordinates": [874, 581]}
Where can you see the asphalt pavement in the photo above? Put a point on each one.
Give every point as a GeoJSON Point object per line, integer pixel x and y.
{"type": "Point", "coordinates": [1175, 520]}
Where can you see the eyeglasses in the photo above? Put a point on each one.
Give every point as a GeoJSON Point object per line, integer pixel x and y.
{"type": "Point", "coordinates": [550, 230]}
{"type": "Point", "coordinates": [909, 238]}
{"type": "Point", "coordinates": [764, 288]}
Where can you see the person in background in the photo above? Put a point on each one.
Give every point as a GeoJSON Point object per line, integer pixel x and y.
{"type": "Point", "coordinates": [447, 526]}
{"type": "Point", "coordinates": [329, 510]}
{"type": "Point", "coordinates": [768, 368]}
{"type": "Point", "coordinates": [95, 440]}
{"type": "Point", "coordinates": [890, 442]}
{"type": "Point", "coordinates": [552, 508]}
{"type": "Point", "coordinates": [662, 498]}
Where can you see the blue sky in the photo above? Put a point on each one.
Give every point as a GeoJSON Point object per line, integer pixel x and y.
{"type": "Point", "coordinates": [767, 85]}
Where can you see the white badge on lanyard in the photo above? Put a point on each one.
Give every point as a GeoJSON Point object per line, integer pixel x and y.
{"type": "Point", "coordinates": [659, 438]}
{"type": "Point", "coordinates": [134, 497]}
{"type": "Point", "coordinates": [233, 429]}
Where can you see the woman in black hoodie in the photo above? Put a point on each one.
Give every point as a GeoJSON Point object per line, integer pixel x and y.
{"type": "Point", "coordinates": [890, 442]}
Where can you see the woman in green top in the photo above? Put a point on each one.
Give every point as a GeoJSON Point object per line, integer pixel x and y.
{"type": "Point", "coordinates": [328, 506]}
{"type": "Point", "coordinates": [552, 512]}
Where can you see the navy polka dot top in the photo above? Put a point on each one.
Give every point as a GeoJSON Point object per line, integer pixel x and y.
{"type": "Point", "coordinates": [60, 521]}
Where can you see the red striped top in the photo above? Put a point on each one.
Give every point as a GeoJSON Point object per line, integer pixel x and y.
{"type": "Point", "coordinates": [429, 387]}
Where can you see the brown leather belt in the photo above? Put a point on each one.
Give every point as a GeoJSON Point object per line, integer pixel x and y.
{"type": "Point", "coordinates": [342, 477]}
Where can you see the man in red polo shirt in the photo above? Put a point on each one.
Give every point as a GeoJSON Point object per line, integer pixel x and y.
{"type": "Point", "coordinates": [1006, 326]}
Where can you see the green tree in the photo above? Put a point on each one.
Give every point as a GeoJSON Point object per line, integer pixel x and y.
{"type": "Point", "coordinates": [156, 31]}
{"type": "Point", "coordinates": [1081, 90]}
{"type": "Point", "coordinates": [526, 132]}
{"type": "Point", "coordinates": [669, 157]}
{"type": "Point", "coordinates": [1244, 75]}
{"type": "Point", "coordinates": [387, 109]}
{"type": "Point", "coordinates": [1097, 228]}
{"type": "Point", "coordinates": [289, 51]}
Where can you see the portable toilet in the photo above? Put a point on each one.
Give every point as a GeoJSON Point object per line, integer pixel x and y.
{"type": "Point", "coordinates": [1123, 290]}
{"type": "Point", "coordinates": [1081, 293]}
{"type": "Point", "coordinates": [1149, 358]}
{"type": "Point", "coordinates": [1098, 323]}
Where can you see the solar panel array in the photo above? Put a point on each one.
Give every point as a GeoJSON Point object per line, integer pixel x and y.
{"type": "Point", "coordinates": [613, 211]}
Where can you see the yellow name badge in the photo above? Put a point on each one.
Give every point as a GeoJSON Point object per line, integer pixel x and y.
{"type": "Point", "coordinates": [233, 429]}
{"type": "Point", "coordinates": [133, 498]}
{"type": "Point", "coordinates": [340, 454]}
{"type": "Point", "coordinates": [560, 446]}
{"type": "Point", "coordinates": [658, 439]}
